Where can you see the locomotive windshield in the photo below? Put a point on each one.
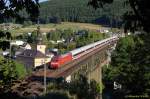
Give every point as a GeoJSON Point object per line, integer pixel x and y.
{"type": "Point", "coordinates": [55, 58]}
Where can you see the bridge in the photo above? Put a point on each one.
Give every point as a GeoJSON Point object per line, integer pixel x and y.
{"type": "Point", "coordinates": [88, 65]}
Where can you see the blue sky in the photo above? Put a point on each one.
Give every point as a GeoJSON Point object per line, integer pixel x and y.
{"type": "Point", "coordinates": [42, 0]}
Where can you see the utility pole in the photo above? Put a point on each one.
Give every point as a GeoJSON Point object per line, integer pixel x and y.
{"type": "Point", "coordinates": [40, 41]}
{"type": "Point", "coordinates": [44, 76]}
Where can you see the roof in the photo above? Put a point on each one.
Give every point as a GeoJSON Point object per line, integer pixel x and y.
{"type": "Point", "coordinates": [19, 51]}
{"type": "Point", "coordinates": [32, 54]}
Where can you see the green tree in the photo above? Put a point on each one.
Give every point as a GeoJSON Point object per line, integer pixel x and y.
{"type": "Point", "coordinates": [68, 34]}
{"type": "Point", "coordinates": [4, 45]}
{"type": "Point", "coordinates": [27, 23]}
{"type": "Point", "coordinates": [130, 60]}
{"type": "Point", "coordinates": [128, 67]}
{"type": "Point", "coordinates": [78, 11]}
{"type": "Point", "coordinates": [8, 35]}
{"type": "Point", "coordinates": [50, 45]}
{"type": "Point", "coordinates": [71, 46]}
{"type": "Point", "coordinates": [55, 35]}
{"type": "Point", "coordinates": [11, 8]}
{"type": "Point", "coordinates": [7, 74]}
{"type": "Point", "coordinates": [83, 89]}
{"type": "Point", "coordinates": [136, 18]}
{"type": "Point", "coordinates": [31, 38]}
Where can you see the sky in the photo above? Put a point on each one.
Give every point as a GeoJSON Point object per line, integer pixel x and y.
{"type": "Point", "coordinates": [42, 0]}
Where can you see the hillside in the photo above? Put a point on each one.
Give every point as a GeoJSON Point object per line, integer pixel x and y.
{"type": "Point", "coordinates": [79, 11]}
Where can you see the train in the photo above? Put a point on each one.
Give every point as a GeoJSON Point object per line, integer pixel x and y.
{"type": "Point", "coordinates": [58, 61]}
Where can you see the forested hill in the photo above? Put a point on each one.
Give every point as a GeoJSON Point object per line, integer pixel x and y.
{"type": "Point", "coordinates": [78, 11]}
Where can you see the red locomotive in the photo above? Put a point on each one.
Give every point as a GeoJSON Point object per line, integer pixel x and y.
{"type": "Point", "coordinates": [58, 61]}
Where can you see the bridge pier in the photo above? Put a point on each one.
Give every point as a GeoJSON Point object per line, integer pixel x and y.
{"type": "Point", "coordinates": [95, 75]}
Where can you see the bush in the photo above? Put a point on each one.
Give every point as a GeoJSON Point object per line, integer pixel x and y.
{"type": "Point", "coordinates": [27, 23]}
{"type": "Point", "coordinates": [20, 69]}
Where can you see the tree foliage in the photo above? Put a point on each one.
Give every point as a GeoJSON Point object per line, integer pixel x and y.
{"type": "Point", "coordinates": [83, 89]}
{"type": "Point", "coordinates": [72, 39]}
{"type": "Point", "coordinates": [11, 8]}
{"type": "Point", "coordinates": [4, 37]}
{"type": "Point", "coordinates": [80, 87]}
{"type": "Point", "coordinates": [130, 61]}
{"type": "Point", "coordinates": [9, 72]}
{"type": "Point", "coordinates": [55, 11]}
{"type": "Point", "coordinates": [138, 18]}
{"type": "Point", "coordinates": [130, 66]}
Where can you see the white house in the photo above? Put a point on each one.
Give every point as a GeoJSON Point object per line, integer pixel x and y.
{"type": "Point", "coordinates": [18, 42]}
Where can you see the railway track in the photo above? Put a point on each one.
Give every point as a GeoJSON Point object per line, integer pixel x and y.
{"type": "Point", "coordinates": [68, 68]}
{"type": "Point", "coordinates": [73, 66]}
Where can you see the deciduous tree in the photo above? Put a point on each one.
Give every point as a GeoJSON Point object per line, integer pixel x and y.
{"type": "Point", "coordinates": [11, 8]}
{"type": "Point", "coordinates": [136, 19]}
{"type": "Point", "coordinates": [130, 67]}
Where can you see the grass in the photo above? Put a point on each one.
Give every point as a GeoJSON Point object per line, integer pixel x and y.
{"type": "Point", "coordinates": [49, 27]}
{"type": "Point", "coordinates": [72, 25]}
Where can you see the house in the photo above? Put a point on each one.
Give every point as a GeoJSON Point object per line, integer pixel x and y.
{"type": "Point", "coordinates": [33, 58]}
{"type": "Point", "coordinates": [25, 46]}
{"type": "Point", "coordinates": [18, 42]}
